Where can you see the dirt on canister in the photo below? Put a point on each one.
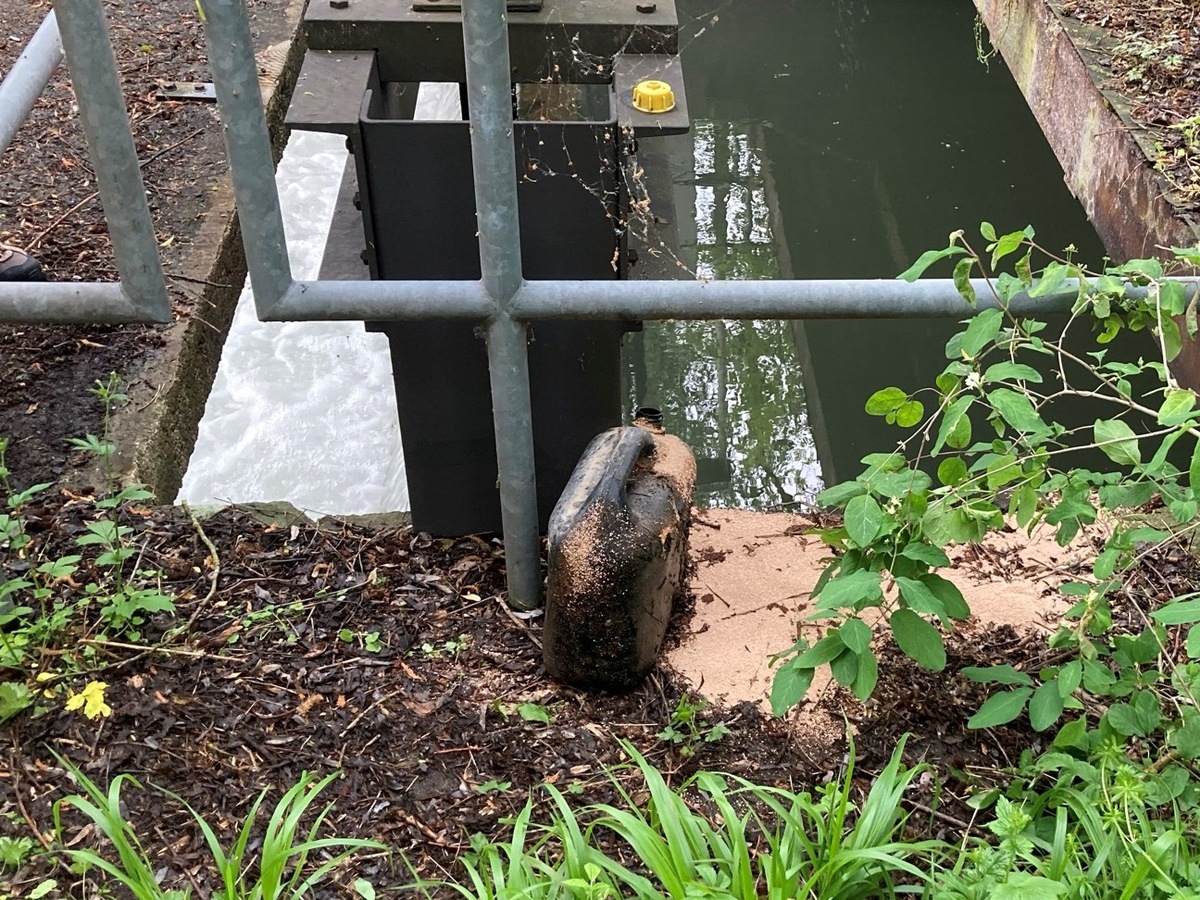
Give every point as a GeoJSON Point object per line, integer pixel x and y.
{"type": "Point", "coordinates": [617, 550]}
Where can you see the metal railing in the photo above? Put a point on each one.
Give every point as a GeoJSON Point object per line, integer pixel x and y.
{"type": "Point", "coordinates": [502, 299]}
{"type": "Point", "coordinates": [80, 28]}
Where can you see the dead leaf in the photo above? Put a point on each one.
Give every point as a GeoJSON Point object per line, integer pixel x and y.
{"type": "Point", "coordinates": [308, 703]}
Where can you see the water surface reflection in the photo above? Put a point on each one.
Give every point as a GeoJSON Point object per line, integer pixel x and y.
{"type": "Point", "coordinates": [831, 139]}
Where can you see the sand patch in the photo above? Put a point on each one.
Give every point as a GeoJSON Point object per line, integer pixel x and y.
{"type": "Point", "coordinates": [754, 572]}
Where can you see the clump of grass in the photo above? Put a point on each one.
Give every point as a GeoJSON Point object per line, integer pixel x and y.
{"type": "Point", "coordinates": [762, 842]}
{"type": "Point", "coordinates": [277, 867]}
{"type": "Point", "coordinates": [806, 844]}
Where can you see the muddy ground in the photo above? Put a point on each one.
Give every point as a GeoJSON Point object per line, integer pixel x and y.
{"type": "Point", "coordinates": [391, 657]}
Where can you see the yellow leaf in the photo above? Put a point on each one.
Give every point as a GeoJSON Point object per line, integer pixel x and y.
{"type": "Point", "coordinates": [91, 698]}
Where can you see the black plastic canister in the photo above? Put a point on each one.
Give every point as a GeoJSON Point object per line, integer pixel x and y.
{"type": "Point", "coordinates": [617, 549]}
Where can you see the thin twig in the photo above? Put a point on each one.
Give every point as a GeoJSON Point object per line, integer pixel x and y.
{"type": "Point", "coordinates": [37, 238]}
{"type": "Point", "coordinates": [191, 278]}
{"type": "Point", "coordinates": [216, 572]}
{"type": "Point", "coordinates": [377, 703]}
{"type": "Point", "coordinates": [165, 150]}
{"type": "Point", "coordinates": [170, 651]}
{"type": "Point", "coordinates": [24, 811]}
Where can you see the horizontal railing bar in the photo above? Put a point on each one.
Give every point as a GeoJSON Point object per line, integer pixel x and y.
{"type": "Point", "coordinates": [28, 77]}
{"type": "Point", "coordinates": [811, 299]}
{"type": "Point", "coordinates": [863, 298]}
{"type": "Point", "coordinates": [325, 301]}
{"type": "Point", "coordinates": [69, 302]}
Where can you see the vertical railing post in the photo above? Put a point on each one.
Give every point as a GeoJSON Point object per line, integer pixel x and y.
{"type": "Point", "coordinates": [84, 31]}
{"type": "Point", "coordinates": [485, 40]}
{"type": "Point", "coordinates": [248, 144]}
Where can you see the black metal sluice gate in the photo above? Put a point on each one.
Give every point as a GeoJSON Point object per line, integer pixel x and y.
{"type": "Point", "coordinates": [408, 212]}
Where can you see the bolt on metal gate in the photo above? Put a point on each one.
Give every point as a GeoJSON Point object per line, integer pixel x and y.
{"type": "Point", "coordinates": [502, 299]}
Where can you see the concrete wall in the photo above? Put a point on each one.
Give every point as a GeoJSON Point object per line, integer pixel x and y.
{"type": "Point", "coordinates": [1102, 161]}
{"type": "Point", "coordinates": [1093, 136]}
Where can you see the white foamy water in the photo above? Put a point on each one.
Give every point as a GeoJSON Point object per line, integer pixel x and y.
{"type": "Point", "coordinates": [301, 411]}
{"type": "Point", "coordinates": [306, 411]}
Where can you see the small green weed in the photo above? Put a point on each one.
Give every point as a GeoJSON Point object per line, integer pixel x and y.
{"type": "Point", "coordinates": [275, 618]}
{"type": "Point", "coordinates": [15, 851]}
{"type": "Point", "coordinates": [371, 641]}
{"type": "Point", "coordinates": [45, 598]}
{"type": "Point", "coordinates": [491, 785]}
{"type": "Point", "coordinates": [451, 648]}
{"type": "Point", "coordinates": [529, 712]}
{"type": "Point", "coordinates": [687, 730]}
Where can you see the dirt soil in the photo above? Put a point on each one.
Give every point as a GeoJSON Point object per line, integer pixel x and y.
{"type": "Point", "coordinates": [389, 656]}
{"type": "Point", "coordinates": [1151, 53]}
{"type": "Point", "coordinates": [754, 573]}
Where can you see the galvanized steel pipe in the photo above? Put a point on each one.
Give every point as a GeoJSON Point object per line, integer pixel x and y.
{"type": "Point", "coordinates": [493, 159]}
{"type": "Point", "coordinates": [867, 298]}
{"type": "Point", "coordinates": [248, 145]}
{"type": "Point", "coordinates": [105, 122]}
{"type": "Point", "coordinates": [28, 77]}
{"type": "Point", "coordinates": [861, 298]}
{"type": "Point", "coordinates": [67, 301]}
{"type": "Point", "coordinates": [381, 301]}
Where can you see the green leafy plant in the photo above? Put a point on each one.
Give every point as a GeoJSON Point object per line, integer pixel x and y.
{"type": "Point", "coordinates": [688, 730]}
{"type": "Point", "coordinates": [277, 616]}
{"type": "Point", "coordinates": [124, 605]}
{"type": "Point", "coordinates": [534, 712]}
{"type": "Point", "coordinates": [897, 519]}
{"type": "Point", "coordinates": [492, 785]}
{"type": "Point", "coordinates": [42, 599]}
{"type": "Point", "coordinates": [452, 647]}
{"type": "Point", "coordinates": [272, 866]}
{"type": "Point", "coordinates": [1078, 838]}
{"type": "Point", "coordinates": [109, 394]}
{"type": "Point", "coordinates": [14, 851]}
{"type": "Point", "coordinates": [1109, 810]}
{"type": "Point", "coordinates": [820, 844]}
{"type": "Point", "coordinates": [714, 836]}
{"type": "Point", "coordinates": [371, 640]}
{"type": "Point", "coordinates": [15, 697]}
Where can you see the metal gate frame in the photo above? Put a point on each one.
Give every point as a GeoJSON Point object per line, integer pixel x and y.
{"type": "Point", "coordinates": [141, 294]}
{"type": "Point", "coordinates": [501, 299]}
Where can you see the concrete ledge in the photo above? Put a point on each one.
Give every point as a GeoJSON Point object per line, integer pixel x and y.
{"type": "Point", "coordinates": [1088, 129]}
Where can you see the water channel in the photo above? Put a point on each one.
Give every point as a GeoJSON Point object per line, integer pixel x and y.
{"type": "Point", "coordinates": [854, 135]}
{"type": "Point", "coordinates": [831, 138]}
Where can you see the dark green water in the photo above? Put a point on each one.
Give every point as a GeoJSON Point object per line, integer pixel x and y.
{"type": "Point", "coordinates": [831, 139]}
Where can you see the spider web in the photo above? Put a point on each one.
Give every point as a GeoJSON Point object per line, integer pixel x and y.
{"type": "Point", "coordinates": [575, 92]}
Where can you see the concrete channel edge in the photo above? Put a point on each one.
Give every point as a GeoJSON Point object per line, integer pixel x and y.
{"type": "Point", "coordinates": [162, 421]}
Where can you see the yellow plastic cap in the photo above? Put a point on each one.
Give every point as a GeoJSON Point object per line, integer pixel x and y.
{"type": "Point", "coordinates": [653, 97]}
